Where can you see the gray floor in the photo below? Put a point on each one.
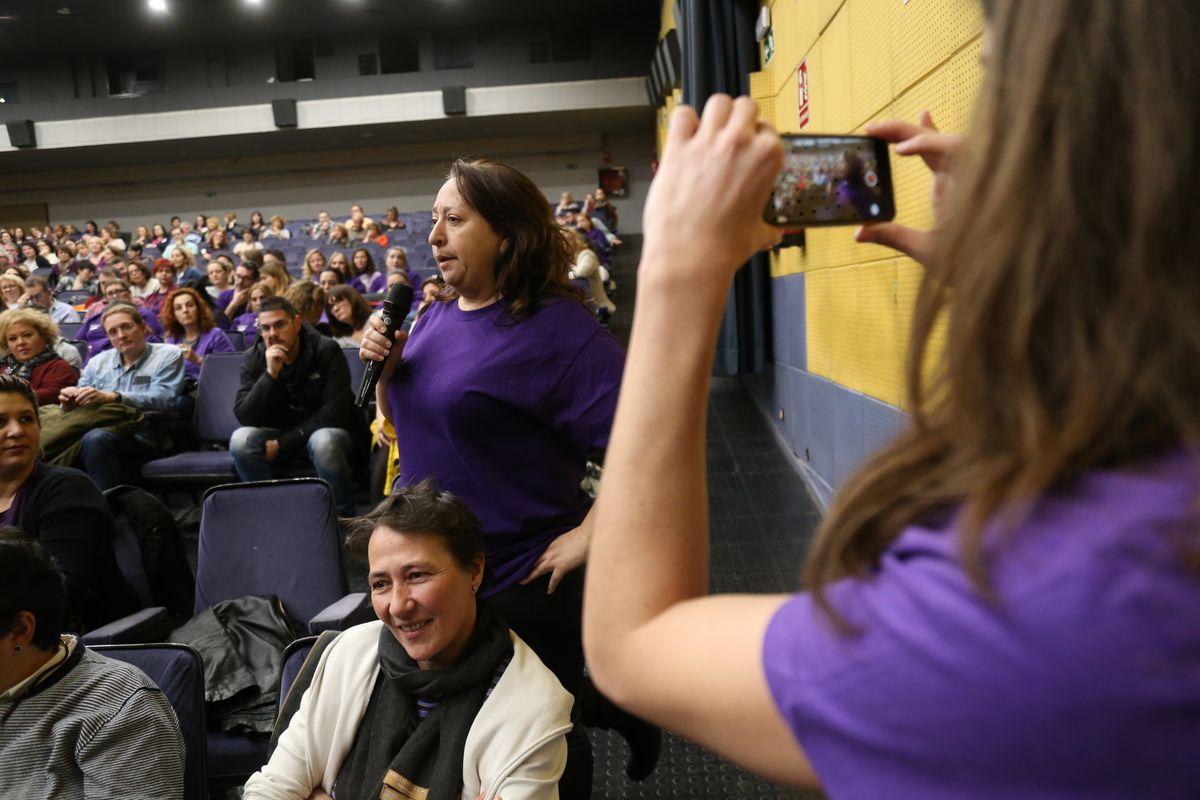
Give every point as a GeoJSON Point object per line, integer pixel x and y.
{"type": "Point", "coordinates": [761, 521]}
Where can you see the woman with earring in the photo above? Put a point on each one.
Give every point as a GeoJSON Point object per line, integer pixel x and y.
{"type": "Point", "coordinates": [73, 724]}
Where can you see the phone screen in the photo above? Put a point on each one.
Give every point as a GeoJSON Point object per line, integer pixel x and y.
{"type": "Point", "coordinates": [831, 180]}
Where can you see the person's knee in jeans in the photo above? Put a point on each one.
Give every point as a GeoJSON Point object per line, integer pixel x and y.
{"type": "Point", "coordinates": [248, 445]}
{"type": "Point", "coordinates": [331, 450]}
{"type": "Point", "coordinates": [100, 458]}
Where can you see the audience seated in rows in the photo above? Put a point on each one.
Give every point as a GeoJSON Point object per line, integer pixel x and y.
{"type": "Point", "coordinates": [137, 374]}
{"type": "Point", "coordinates": [73, 724]}
{"type": "Point", "coordinates": [27, 339]}
{"type": "Point", "coordinates": [296, 405]}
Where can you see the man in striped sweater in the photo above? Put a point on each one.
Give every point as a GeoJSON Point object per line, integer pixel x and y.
{"type": "Point", "coordinates": [73, 724]}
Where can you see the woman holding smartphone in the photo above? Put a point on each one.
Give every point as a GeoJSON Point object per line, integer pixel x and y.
{"type": "Point", "coordinates": [1002, 602]}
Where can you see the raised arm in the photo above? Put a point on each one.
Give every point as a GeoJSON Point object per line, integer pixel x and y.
{"type": "Point", "coordinates": [654, 643]}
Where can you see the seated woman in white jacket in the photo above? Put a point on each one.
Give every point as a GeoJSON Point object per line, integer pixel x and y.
{"type": "Point", "coordinates": [439, 699]}
{"type": "Point", "coordinates": [587, 266]}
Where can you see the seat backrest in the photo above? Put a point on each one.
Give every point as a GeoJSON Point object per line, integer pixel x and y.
{"type": "Point", "coordinates": [357, 367]}
{"type": "Point", "coordinates": [270, 538]}
{"type": "Point", "coordinates": [293, 660]}
{"type": "Point", "coordinates": [237, 339]}
{"type": "Point", "coordinates": [69, 330]}
{"type": "Point", "coordinates": [220, 376]}
{"type": "Point", "coordinates": [179, 672]}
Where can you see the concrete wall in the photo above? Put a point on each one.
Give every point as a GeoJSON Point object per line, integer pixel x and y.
{"type": "Point", "coordinates": [300, 185]}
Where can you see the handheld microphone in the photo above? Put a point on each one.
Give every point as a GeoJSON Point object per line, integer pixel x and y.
{"type": "Point", "coordinates": [395, 309]}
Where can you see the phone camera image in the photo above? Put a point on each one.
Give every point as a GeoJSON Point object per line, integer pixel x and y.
{"type": "Point", "coordinates": [829, 180]}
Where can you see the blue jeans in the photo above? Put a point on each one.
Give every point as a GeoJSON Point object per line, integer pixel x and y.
{"type": "Point", "coordinates": [110, 459]}
{"type": "Point", "coordinates": [329, 451]}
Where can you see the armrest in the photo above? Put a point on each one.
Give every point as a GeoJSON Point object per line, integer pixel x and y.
{"type": "Point", "coordinates": [347, 612]}
{"type": "Point", "coordinates": [147, 625]}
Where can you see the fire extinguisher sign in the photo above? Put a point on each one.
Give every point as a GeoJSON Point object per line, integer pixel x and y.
{"type": "Point", "coordinates": [802, 91]}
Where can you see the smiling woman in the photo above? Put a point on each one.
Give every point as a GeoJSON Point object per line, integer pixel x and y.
{"type": "Point", "coordinates": [439, 696]}
{"type": "Point", "coordinates": [25, 343]}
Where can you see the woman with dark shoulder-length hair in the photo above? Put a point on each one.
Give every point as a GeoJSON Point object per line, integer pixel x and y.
{"type": "Point", "coordinates": [73, 724]}
{"type": "Point", "coordinates": [438, 698]}
{"type": "Point", "coordinates": [188, 322]}
{"type": "Point", "coordinates": [1003, 601]}
{"type": "Point", "coordinates": [62, 509]}
{"type": "Point", "coordinates": [498, 392]}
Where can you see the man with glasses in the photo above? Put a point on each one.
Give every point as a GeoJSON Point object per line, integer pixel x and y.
{"type": "Point", "coordinates": [236, 301]}
{"type": "Point", "coordinates": [133, 372]}
{"type": "Point", "coordinates": [297, 406]}
{"type": "Point", "coordinates": [114, 290]}
{"type": "Point", "coordinates": [39, 295]}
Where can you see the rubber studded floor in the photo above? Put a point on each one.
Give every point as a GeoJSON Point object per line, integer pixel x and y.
{"type": "Point", "coordinates": [761, 522]}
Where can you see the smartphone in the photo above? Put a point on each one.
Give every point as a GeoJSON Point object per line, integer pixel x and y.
{"type": "Point", "coordinates": [831, 180]}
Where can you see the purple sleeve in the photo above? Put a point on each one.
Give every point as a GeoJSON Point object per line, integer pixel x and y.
{"type": "Point", "coordinates": [584, 401]}
{"type": "Point", "coordinates": [215, 341]}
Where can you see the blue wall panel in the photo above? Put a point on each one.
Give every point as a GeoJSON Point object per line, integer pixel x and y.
{"type": "Point", "coordinates": [849, 445]}
{"type": "Point", "coordinates": [881, 423]}
{"type": "Point", "coordinates": [795, 323]}
{"type": "Point", "coordinates": [820, 399]}
{"type": "Point", "coordinates": [829, 428]}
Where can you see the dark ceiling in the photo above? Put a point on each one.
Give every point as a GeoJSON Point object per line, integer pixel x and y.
{"type": "Point", "coordinates": [35, 27]}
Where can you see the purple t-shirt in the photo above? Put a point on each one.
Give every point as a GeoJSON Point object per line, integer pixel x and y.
{"type": "Point", "coordinates": [212, 340]}
{"type": "Point", "coordinates": [1083, 680]}
{"type": "Point", "coordinates": [364, 284]}
{"type": "Point", "coordinates": [502, 414]}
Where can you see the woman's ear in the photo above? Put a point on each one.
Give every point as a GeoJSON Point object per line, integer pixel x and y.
{"type": "Point", "coordinates": [504, 245]}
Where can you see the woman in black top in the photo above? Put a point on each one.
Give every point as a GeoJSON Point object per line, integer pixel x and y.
{"type": "Point", "coordinates": [62, 509]}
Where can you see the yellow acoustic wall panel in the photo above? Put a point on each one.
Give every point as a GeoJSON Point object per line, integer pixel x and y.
{"type": "Point", "coordinates": [819, 330]}
{"type": "Point", "coordinates": [871, 59]}
{"type": "Point", "coordinates": [927, 32]}
{"type": "Point", "coordinates": [843, 320]}
{"type": "Point", "coordinates": [881, 351]}
{"type": "Point", "coordinates": [869, 22]}
{"type": "Point", "coordinates": [866, 59]}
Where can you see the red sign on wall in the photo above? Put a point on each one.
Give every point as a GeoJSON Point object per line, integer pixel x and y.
{"type": "Point", "coordinates": [802, 91]}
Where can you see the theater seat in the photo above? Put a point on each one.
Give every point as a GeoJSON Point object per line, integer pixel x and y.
{"type": "Point", "coordinates": [220, 375]}
{"type": "Point", "coordinates": [178, 671]}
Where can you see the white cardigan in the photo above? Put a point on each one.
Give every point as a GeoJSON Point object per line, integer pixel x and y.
{"type": "Point", "coordinates": [516, 747]}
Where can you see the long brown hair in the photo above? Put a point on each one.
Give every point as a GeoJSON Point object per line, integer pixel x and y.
{"type": "Point", "coordinates": [538, 258]}
{"type": "Point", "coordinates": [1073, 332]}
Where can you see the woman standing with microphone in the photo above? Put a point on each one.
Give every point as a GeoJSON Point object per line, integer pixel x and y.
{"type": "Point", "coordinates": [497, 393]}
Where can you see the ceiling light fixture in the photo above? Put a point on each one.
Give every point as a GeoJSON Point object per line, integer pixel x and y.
{"type": "Point", "coordinates": [159, 6]}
